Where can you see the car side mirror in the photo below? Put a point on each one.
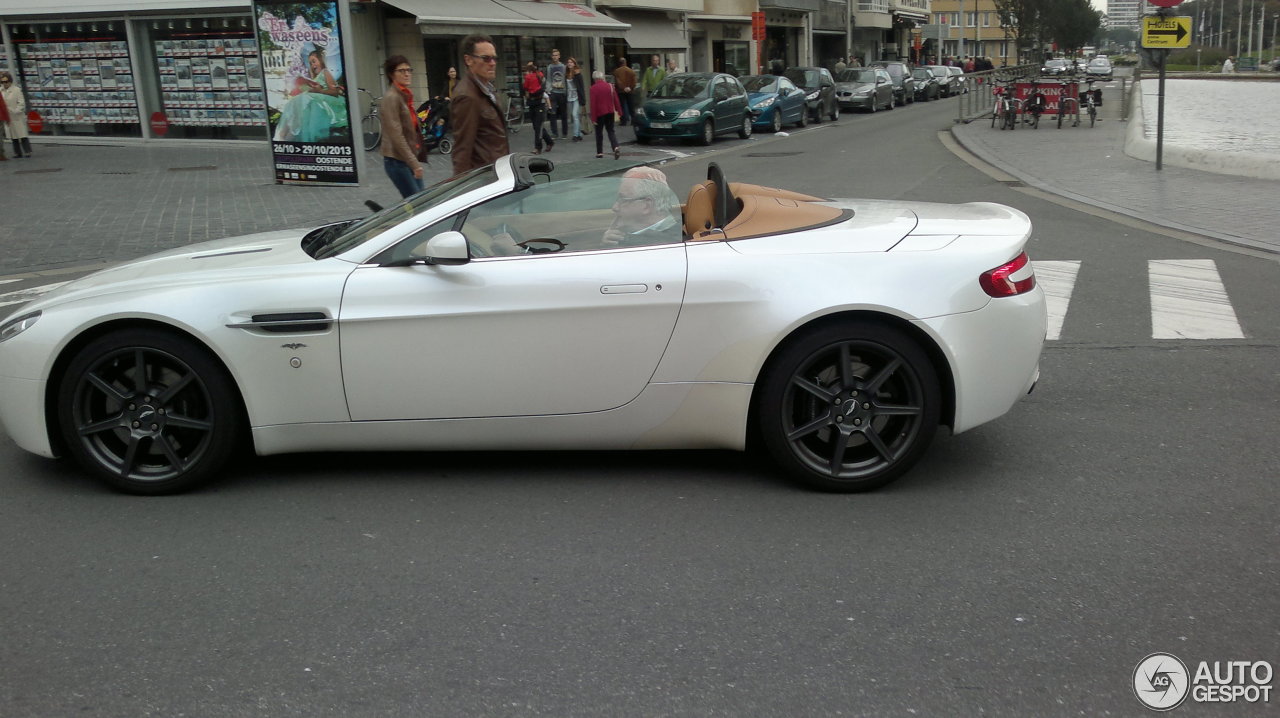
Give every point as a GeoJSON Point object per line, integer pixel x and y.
{"type": "Point", "coordinates": [447, 248]}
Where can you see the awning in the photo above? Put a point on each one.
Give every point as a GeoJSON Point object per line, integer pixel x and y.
{"type": "Point", "coordinates": [920, 17]}
{"type": "Point", "coordinates": [652, 31]}
{"type": "Point", "coordinates": [510, 17]}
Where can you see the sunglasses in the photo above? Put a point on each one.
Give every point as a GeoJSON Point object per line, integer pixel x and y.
{"type": "Point", "coordinates": [485, 58]}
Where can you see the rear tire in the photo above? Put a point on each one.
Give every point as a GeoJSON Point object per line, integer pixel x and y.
{"type": "Point", "coordinates": [744, 132]}
{"type": "Point", "coordinates": [849, 407]}
{"type": "Point", "coordinates": [371, 132]}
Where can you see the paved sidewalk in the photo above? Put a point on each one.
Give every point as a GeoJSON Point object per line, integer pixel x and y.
{"type": "Point", "coordinates": [1089, 165]}
{"type": "Point", "coordinates": [79, 205]}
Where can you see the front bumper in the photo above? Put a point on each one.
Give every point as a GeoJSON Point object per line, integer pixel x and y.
{"type": "Point", "coordinates": [678, 128]}
{"type": "Point", "coordinates": [856, 102]}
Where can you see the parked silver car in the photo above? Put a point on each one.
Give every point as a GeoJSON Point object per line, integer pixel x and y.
{"type": "Point", "coordinates": [865, 88]}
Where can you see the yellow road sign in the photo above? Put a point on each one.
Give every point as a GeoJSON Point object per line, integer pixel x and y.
{"type": "Point", "coordinates": [1166, 31]}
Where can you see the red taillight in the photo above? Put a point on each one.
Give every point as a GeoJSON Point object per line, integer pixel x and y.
{"type": "Point", "coordinates": [999, 282]}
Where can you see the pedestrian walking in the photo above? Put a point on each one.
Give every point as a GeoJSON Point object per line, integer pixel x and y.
{"type": "Point", "coordinates": [672, 67]}
{"type": "Point", "coordinates": [16, 105]}
{"type": "Point", "coordinates": [624, 80]}
{"type": "Point", "coordinates": [576, 95]}
{"type": "Point", "coordinates": [605, 108]}
{"type": "Point", "coordinates": [479, 132]}
{"type": "Point", "coordinates": [453, 82]}
{"type": "Point", "coordinates": [1229, 65]}
{"type": "Point", "coordinates": [537, 102]}
{"type": "Point", "coordinates": [558, 93]}
{"type": "Point", "coordinates": [401, 137]}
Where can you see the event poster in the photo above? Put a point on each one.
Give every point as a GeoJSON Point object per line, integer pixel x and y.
{"type": "Point", "coordinates": [305, 83]}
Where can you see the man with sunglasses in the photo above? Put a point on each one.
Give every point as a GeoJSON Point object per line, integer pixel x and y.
{"type": "Point", "coordinates": [479, 133]}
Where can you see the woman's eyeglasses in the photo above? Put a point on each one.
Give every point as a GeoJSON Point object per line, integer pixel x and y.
{"type": "Point", "coordinates": [404, 69]}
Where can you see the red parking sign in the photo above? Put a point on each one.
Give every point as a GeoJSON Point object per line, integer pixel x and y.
{"type": "Point", "coordinates": [1165, 3]}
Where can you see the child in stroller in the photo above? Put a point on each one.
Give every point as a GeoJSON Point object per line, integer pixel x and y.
{"type": "Point", "coordinates": [433, 120]}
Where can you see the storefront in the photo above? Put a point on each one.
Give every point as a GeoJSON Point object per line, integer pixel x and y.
{"type": "Point", "coordinates": [522, 30]}
{"type": "Point", "coordinates": [133, 70]}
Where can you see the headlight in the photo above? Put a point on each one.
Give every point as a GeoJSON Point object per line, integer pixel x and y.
{"type": "Point", "coordinates": [812, 95]}
{"type": "Point", "coordinates": [691, 112]}
{"type": "Point", "coordinates": [14, 327]}
{"type": "Point", "coordinates": [639, 112]}
{"type": "Point", "coordinates": [766, 102]}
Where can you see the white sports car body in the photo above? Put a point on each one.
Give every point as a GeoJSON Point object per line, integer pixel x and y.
{"type": "Point", "coordinates": [512, 308]}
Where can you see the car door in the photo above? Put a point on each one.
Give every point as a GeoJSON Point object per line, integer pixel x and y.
{"type": "Point", "coordinates": [721, 108]}
{"type": "Point", "coordinates": [791, 99]}
{"type": "Point", "coordinates": [738, 102]}
{"type": "Point", "coordinates": [520, 335]}
{"type": "Point", "coordinates": [827, 85]}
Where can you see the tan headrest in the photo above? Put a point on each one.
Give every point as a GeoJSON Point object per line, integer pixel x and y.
{"type": "Point", "coordinates": [699, 211]}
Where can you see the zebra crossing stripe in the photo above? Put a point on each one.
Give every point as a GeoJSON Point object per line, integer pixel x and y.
{"type": "Point", "coordinates": [1057, 279]}
{"type": "Point", "coordinates": [1189, 301]}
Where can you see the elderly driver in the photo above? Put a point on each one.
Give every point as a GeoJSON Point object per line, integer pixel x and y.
{"type": "Point", "coordinates": [643, 213]}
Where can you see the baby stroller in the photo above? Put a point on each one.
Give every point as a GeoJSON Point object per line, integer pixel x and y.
{"type": "Point", "coordinates": [433, 122]}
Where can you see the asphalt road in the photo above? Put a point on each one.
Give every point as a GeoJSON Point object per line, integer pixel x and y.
{"type": "Point", "coordinates": [1021, 569]}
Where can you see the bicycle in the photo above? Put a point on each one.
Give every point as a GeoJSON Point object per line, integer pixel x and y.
{"type": "Point", "coordinates": [1033, 106]}
{"type": "Point", "coordinates": [515, 111]}
{"type": "Point", "coordinates": [371, 124]}
{"type": "Point", "coordinates": [1090, 101]}
{"type": "Point", "coordinates": [1068, 105]}
{"type": "Point", "coordinates": [1004, 111]}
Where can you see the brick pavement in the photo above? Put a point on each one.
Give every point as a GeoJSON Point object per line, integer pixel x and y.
{"type": "Point", "coordinates": [1089, 165]}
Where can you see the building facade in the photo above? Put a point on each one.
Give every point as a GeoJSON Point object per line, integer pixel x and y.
{"type": "Point", "coordinates": [969, 28]}
{"type": "Point", "coordinates": [192, 69]}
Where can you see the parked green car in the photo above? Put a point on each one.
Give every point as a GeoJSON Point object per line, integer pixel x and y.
{"type": "Point", "coordinates": [695, 105]}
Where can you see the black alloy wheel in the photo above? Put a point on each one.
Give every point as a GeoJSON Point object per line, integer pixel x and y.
{"type": "Point", "coordinates": [849, 407]}
{"type": "Point", "coordinates": [148, 412]}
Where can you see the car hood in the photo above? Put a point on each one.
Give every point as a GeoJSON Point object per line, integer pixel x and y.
{"type": "Point", "coordinates": [854, 86]}
{"type": "Point", "coordinates": [668, 108]}
{"type": "Point", "coordinates": [214, 261]}
{"type": "Point", "coordinates": [883, 225]}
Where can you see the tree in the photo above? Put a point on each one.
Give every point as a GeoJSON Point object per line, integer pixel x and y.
{"type": "Point", "coordinates": [1071, 23]}
{"type": "Point", "coordinates": [1022, 20]}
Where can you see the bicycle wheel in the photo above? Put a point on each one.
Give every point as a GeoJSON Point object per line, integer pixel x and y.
{"type": "Point", "coordinates": [1010, 119]}
{"type": "Point", "coordinates": [995, 115]}
{"type": "Point", "coordinates": [371, 131]}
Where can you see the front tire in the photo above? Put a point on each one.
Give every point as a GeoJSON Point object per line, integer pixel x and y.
{"type": "Point", "coordinates": [148, 412]}
{"type": "Point", "coordinates": [776, 125]}
{"type": "Point", "coordinates": [835, 110]}
{"type": "Point", "coordinates": [708, 133]}
{"type": "Point", "coordinates": [849, 407]}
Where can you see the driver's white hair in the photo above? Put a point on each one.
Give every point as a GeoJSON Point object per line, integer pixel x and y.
{"type": "Point", "coordinates": [651, 182]}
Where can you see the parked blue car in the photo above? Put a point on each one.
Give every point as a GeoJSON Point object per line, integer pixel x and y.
{"type": "Point", "coordinates": [776, 100]}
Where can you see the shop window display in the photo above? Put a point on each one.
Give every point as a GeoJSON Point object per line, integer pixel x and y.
{"type": "Point", "coordinates": [210, 78]}
{"type": "Point", "coordinates": [78, 78]}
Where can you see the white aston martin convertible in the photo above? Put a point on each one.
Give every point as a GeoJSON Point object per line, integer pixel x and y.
{"type": "Point", "coordinates": [520, 306]}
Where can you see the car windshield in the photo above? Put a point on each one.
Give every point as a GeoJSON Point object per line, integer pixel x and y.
{"type": "Point", "coordinates": [682, 86]}
{"type": "Point", "coordinates": [921, 73]}
{"type": "Point", "coordinates": [856, 76]}
{"type": "Point", "coordinates": [803, 78]}
{"type": "Point", "coordinates": [336, 239]}
{"type": "Point", "coordinates": [895, 71]}
{"type": "Point", "coordinates": [940, 71]}
{"type": "Point", "coordinates": [1056, 63]}
{"type": "Point", "coordinates": [1100, 63]}
{"type": "Point", "coordinates": [761, 83]}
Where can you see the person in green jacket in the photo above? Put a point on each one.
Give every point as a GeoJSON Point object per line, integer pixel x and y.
{"type": "Point", "coordinates": [652, 76]}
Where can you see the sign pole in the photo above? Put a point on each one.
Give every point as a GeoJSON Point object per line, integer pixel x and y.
{"type": "Point", "coordinates": [1158, 35]}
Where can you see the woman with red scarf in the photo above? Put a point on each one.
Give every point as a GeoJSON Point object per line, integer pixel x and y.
{"type": "Point", "coordinates": [400, 134]}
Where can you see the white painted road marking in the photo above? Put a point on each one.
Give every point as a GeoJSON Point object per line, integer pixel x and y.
{"type": "Point", "coordinates": [1188, 301]}
{"type": "Point", "coordinates": [1058, 279]}
{"type": "Point", "coordinates": [26, 295]}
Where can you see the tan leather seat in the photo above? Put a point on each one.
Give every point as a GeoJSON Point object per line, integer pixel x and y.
{"type": "Point", "coordinates": [699, 210]}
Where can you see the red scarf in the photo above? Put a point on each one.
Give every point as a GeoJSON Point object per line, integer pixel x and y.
{"type": "Point", "coordinates": [408, 100]}
{"type": "Point", "coordinates": [4, 111]}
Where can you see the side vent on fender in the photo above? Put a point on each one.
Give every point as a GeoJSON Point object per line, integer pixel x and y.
{"type": "Point", "coordinates": [287, 322]}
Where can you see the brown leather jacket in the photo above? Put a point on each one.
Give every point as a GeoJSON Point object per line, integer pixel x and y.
{"type": "Point", "coordinates": [625, 78]}
{"type": "Point", "coordinates": [479, 133]}
{"type": "Point", "coordinates": [399, 135]}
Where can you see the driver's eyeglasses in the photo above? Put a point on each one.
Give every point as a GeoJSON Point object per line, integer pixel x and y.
{"type": "Point", "coordinates": [485, 58]}
{"type": "Point", "coordinates": [631, 199]}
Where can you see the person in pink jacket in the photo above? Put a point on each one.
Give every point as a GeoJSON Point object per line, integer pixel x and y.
{"type": "Point", "coordinates": [604, 108]}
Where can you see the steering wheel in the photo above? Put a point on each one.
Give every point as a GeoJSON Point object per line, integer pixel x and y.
{"type": "Point", "coordinates": [723, 200]}
{"type": "Point", "coordinates": [556, 245]}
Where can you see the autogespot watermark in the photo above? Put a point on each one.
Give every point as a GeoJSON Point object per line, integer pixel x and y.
{"type": "Point", "coordinates": [1162, 682]}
